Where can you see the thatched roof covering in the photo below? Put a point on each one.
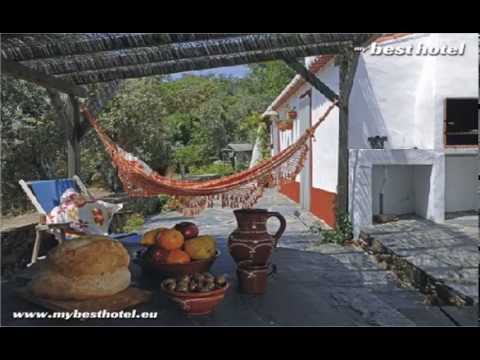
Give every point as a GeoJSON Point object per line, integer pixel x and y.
{"type": "Point", "coordinates": [81, 59]}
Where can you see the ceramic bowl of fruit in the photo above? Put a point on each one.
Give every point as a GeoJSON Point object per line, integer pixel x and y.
{"type": "Point", "coordinates": [196, 294]}
{"type": "Point", "coordinates": [177, 251]}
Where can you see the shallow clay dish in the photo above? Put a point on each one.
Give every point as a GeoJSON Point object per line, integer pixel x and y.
{"type": "Point", "coordinates": [176, 270]}
{"type": "Point", "coordinates": [197, 303]}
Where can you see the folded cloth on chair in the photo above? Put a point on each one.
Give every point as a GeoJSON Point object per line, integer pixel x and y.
{"type": "Point", "coordinates": [86, 216]}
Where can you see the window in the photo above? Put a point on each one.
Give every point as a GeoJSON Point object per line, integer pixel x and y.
{"type": "Point", "coordinates": [461, 122]}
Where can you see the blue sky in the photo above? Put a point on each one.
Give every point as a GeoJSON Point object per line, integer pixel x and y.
{"type": "Point", "coordinates": [235, 71]}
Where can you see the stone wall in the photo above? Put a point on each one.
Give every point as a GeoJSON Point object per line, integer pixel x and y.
{"type": "Point", "coordinates": [17, 245]}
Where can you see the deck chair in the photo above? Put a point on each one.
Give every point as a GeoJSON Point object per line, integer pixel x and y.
{"type": "Point", "coordinates": [45, 195]}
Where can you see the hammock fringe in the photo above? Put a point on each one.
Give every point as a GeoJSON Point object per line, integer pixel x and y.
{"type": "Point", "coordinates": [240, 190]}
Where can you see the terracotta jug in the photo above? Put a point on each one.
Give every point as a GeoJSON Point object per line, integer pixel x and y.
{"type": "Point", "coordinates": [253, 279]}
{"type": "Point", "coordinates": [251, 240]}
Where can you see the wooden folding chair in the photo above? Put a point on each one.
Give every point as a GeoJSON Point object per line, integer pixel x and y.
{"type": "Point", "coordinates": [45, 195]}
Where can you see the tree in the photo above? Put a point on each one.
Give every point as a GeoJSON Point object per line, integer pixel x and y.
{"type": "Point", "coordinates": [267, 80]}
{"type": "Point", "coordinates": [32, 140]}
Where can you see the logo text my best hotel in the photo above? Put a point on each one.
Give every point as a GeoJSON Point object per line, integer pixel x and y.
{"type": "Point", "coordinates": [417, 50]}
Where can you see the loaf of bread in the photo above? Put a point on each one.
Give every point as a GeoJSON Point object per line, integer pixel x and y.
{"type": "Point", "coordinates": [53, 285]}
{"type": "Point", "coordinates": [88, 255]}
{"type": "Point", "coordinates": [85, 268]}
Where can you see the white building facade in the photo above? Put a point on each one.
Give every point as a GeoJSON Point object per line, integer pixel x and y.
{"type": "Point", "coordinates": [427, 108]}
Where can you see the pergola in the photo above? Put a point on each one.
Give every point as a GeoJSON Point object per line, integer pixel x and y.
{"type": "Point", "coordinates": [92, 65]}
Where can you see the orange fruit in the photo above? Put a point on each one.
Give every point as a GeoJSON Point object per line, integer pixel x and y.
{"type": "Point", "coordinates": [177, 257]}
{"type": "Point", "coordinates": [149, 238]}
{"type": "Point", "coordinates": [170, 239]}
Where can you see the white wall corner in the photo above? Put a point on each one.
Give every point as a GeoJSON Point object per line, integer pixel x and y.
{"type": "Point", "coordinates": [361, 163]}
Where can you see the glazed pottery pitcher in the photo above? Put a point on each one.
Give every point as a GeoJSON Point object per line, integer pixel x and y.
{"type": "Point", "coordinates": [251, 241]}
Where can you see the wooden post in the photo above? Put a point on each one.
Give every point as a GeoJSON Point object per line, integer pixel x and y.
{"type": "Point", "coordinates": [348, 63]}
{"type": "Point", "coordinates": [312, 79]}
{"type": "Point", "coordinates": [73, 140]}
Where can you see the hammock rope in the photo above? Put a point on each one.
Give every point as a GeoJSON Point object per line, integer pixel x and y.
{"type": "Point", "coordinates": [242, 189]}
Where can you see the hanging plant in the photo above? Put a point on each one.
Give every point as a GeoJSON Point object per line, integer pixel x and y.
{"type": "Point", "coordinates": [284, 125]}
{"type": "Point", "coordinates": [292, 114]}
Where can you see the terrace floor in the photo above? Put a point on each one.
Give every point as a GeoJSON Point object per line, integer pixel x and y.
{"type": "Point", "coordinates": [315, 284]}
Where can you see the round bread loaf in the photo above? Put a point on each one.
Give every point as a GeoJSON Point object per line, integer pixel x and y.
{"type": "Point", "coordinates": [54, 285]}
{"type": "Point", "coordinates": [88, 255]}
{"type": "Point", "coordinates": [85, 268]}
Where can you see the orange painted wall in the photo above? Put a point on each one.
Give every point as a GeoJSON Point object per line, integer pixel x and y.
{"type": "Point", "coordinates": [292, 190]}
{"type": "Point", "coordinates": [322, 204]}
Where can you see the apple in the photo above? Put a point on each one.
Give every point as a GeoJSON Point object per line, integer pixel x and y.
{"type": "Point", "coordinates": [159, 255]}
{"type": "Point", "coordinates": [188, 229]}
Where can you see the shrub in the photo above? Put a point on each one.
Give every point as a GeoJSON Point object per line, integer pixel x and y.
{"type": "Point", "coordinates": [241, 167]}
{"type": "Point", "coordinates": [215, 168]}
{"type": "Point", "coordinates": [147, 206]}
{"type": "Point", "coordinates": [134, 222]}
{"type": "Point", "coordinates": [343, 230]}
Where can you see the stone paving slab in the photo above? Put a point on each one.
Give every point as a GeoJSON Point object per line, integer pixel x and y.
{"type": "Point", "coordinates": [446, 252]}
{"type": "Point", "coordinates": [464, 316]}
{"type": "Point", "coordinates": [466, 222]}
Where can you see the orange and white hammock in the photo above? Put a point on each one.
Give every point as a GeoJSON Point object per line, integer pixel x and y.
{"type": "Point", "coordinates": [242, 189]}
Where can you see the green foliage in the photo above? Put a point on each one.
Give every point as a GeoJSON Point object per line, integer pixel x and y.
{"type": "Point", "coordinates": [147, 206]}
{"type": "Point", "coordinates": [343, 230]}
{"type": "Point", "coordinates": [263, 136]}
{"type": "Point", "coordinates": [190, 155]}
{"type": "Point", "coordinates": [268, 79]}
{"type": "Point", "coordinates": [215, 168]}
{"type": "Point", "coordinates": [32, 142]}
{"type": "Point", "coordinates": [135, 119]}
{"type": "Point", "coordinates": [134, 222]}
{"type": "Point", "coordinates": [249, 126]}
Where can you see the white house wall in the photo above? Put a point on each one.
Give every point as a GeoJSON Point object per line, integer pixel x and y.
{"type": "Point", "coordinates": [461, 183]}
{"type": "Point", "coordinates": [287, 137]}
{"type": "Point", "coordinates": [455, 76]}
{"type": "Point", "coordinates": [325, 146]}
{"type": "Point", "coordinates": [384, 95]}
{"type": "Point", "coordinates": [422, 178]}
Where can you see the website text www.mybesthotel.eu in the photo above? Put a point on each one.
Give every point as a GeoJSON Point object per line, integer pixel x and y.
{"type": "Point", "coordinates": [101, 314]}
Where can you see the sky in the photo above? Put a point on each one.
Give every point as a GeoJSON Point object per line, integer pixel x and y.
{"type": "Point", "coordinates": [235, 71]}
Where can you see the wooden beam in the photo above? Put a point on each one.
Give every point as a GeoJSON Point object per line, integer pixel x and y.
{"type": "Point", "coordinates": [73, 140]}
{"type": "Point", "coordinates": [22, 72]}
{"type": "Point", "coordinates": [312, 79]}
{"type": "Point", "coordinates": [348, 65]}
